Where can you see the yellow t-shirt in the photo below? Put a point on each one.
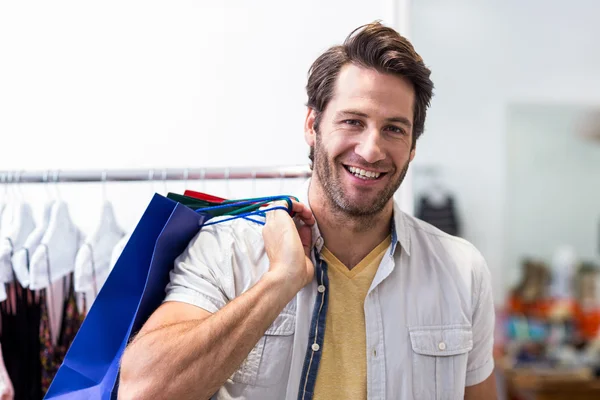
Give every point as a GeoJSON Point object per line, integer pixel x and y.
{"type": "Point", "coordinates": [342, 371]}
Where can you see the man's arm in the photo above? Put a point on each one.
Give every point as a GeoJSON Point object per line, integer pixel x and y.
{"type": "Point", "coordinates": [481, 383]}
{"type": "Point", "coordinates": [485, 390]}
{"type": "Point", "coordinates": [186, 352]}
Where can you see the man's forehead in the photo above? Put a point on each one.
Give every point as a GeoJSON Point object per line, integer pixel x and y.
{"type": "Point", "coordinates": [364, 86]}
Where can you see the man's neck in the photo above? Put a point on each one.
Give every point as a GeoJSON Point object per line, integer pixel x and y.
{"type": "Point", "coordinates": [349, 239]}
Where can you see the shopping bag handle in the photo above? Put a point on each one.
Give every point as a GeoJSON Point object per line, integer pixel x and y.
{"type": "Point", "coordinates": [256, 201]}
{"type": "Point", "coordinates": [257, 212]}
{"type": "Point", "coordinates": [251, 202]}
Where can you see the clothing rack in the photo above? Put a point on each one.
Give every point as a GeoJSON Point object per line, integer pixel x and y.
{"type": "Point", "coordinates": [163, 174]}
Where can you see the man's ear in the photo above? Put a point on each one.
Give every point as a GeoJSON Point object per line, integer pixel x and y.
{"type": "Point", "coordinates": [414, 148]}
{"type": "Point", "coordinates": [309, 127]}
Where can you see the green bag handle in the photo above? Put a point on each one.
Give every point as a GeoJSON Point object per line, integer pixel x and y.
{"type": "Point", "coordinates": [198, 205]}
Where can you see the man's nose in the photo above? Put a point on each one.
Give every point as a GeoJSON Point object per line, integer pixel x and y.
{"type": "Point", "coordinates": [370, 147]}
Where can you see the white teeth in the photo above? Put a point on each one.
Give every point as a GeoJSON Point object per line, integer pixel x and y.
{"type": "Point", "coordinates": [361, 173]}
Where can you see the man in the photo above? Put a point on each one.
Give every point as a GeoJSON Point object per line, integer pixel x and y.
{"type": "Point", "coordinates": [354, 299]}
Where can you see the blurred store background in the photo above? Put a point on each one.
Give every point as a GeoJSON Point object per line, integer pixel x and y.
{"type": "Point", "coordinates": [513, 141]}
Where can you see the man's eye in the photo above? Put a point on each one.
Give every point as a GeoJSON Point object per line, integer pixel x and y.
{"type": "Point", "coordinates": [352, 122]}
{"type": "Point", "coordinates": [395, 129]}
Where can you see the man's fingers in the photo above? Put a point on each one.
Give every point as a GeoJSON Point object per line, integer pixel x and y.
{"type": "Point", "coordinates": [270, 213]}
{"type": "Point", "coordinates": [303, 212]}
{"type": "Point", "coordinates": [300, 210]}
{"type": "Point", "coordinates": [306, 238]}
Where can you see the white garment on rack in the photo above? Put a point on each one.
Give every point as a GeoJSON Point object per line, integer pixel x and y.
{"type": "Point", "coordinates": [55, 300]}
{"type": "Point", "coordinates": [2, 207]}
{"type": "Point", "coordinates": [92, 264]}
{"type": "Point", "coordinates": [115, 254]}
{"type": "Point", "coordinates": [118, 249]}
{"type": "Point", "coordinates": [2, 289]}
{"type": "Point", "coordinates": [16, 227]}
{"type": "Point", "coordinates": [3, 214]}
{"type": "Point", "coordinates": [22, 255]}
{"type": "Point", "coordinates": [54, 258]}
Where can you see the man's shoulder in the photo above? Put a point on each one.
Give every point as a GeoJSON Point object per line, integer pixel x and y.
{"type": "Point", "coordinates": [224, 232]}
{"type": "Point", "coordinates": [451, 250]}
{"type": "Point", "coordinates": [427, 231]}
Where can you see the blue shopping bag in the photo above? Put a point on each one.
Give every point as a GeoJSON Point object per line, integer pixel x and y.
{"type": "Point", "coordinates": [134, 289]}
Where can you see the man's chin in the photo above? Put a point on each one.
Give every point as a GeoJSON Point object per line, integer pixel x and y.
{"type": "Point", "coordinates": [359, 207]}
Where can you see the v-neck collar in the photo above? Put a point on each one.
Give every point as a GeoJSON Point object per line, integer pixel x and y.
{"type": "Point", "coordinates": [367, 260]}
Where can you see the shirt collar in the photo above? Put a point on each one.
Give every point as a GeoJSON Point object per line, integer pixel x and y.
{"type": "Point", "coordinates": [400, 231]}
{"type": "Point", "coordinates": [302, 196]}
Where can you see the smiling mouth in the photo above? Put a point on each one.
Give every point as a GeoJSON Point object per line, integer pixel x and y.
{"type": "Point", "coordinates": [364, 174]}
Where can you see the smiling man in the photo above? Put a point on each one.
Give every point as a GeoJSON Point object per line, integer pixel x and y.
{"type": "Point", "coordinates": [351, 300]}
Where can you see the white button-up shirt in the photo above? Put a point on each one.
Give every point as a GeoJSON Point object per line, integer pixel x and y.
{"type": "Point", "coordinates": [429, 312]}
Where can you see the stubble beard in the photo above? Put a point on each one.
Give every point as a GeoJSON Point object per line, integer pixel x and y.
{"type": "Point", "coordinates": [334, 191]}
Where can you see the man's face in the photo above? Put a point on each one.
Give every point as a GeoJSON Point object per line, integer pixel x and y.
{"type": "Point", "coordinates": [362, 146]}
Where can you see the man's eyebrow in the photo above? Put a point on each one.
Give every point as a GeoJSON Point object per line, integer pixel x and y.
{"type": "Point", "coordinates": [402, 120]}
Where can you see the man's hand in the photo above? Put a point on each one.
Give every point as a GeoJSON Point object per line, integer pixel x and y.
{"type": "Point", "coordinates": [288, 245]}
{"type": "Point", "coordinates": [184, 351]}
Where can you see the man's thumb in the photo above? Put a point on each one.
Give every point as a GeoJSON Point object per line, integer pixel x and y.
{"type": "Point", "coordinates": [305, 233]}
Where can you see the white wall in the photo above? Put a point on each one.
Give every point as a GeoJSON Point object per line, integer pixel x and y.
{"type": "Point", "coordinates": [132, 84]}
{"type": "Point", "coordinates": [484, 55]}
{"type": "Point", "coordinates": [154, 84]}
{"type": "Point", "coordinates": [553, 184]}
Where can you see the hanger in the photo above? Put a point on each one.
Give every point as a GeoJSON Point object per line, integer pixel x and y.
{"type": "Point", "coordinates": [5, 217]}
{"type": "Point", "coordinates": [203, 195]}
{"type": "Point", "coordinates": [186, 175]}
{"type": "Point", "coordinates": [227, 184]}
{"type": "Point", "coordinates": [58, 247]}
{"type": "Point", "coordinates": [2, 206]}
{"type": "Point", "coordinates": [19, 224]}
{"type": "Point", "coordinates": [281, 182]}
{"type": "Point", "coordinates": [118, 249]}
{"type": "Point", "coordinates": [203, 179]}
{"type": "Point", "coordinates": [151, 180]}
{"type": "Point", "coordinates": [164, 180]}
{"type": "Point", "coordinates": [22, 255]}
{"type": "Point", "coordinates": [92, 263]}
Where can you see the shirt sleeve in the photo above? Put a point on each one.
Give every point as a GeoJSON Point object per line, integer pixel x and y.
{"type": "Point", "coordinates": [203, 274]}
{"type": "Point", "coordinates": [480, 364]}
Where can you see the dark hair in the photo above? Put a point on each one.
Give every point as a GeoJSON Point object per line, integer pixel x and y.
{"type": "Point", "coordinates": [378, 47]}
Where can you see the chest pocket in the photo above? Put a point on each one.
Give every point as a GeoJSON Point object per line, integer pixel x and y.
{"type": "Point", "coordinates": [269, 361]}
{"type": "Point", "coordinates": [439, 361]}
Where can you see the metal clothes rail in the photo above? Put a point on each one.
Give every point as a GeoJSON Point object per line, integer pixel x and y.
{"type": "Point", "coordinates": [154, 174]}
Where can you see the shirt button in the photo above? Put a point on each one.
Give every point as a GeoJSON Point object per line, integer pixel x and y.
{"type": "Point", "coordinates": [374, 352]}
{"type": "Point", "coordinates": [442, 346]}
{"type": "Point", "coordinates": [316, 347]}
{"type": "Point", "coordinates": [319, 241]}
{"type": "Point", "coordinates": [321, 288]}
